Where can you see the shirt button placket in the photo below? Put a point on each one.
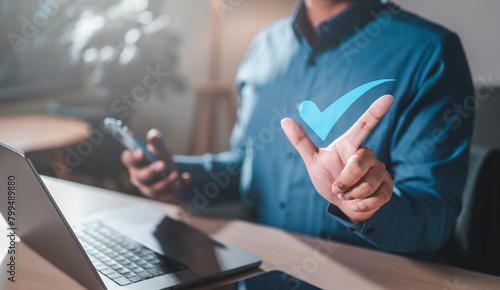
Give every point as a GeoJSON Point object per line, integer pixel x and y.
{"type": "Point", "coordinates": [282, 202]}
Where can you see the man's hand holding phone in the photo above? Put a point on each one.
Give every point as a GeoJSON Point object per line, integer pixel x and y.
{"type": "Point", "coordinates": [150, 178]}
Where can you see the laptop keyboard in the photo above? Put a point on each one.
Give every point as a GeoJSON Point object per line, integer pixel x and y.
{"type": "Point", "coordinates": [120, 258]}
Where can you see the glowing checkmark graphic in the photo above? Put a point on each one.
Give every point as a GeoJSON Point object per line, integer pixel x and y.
{"type": "Point", "coordinates": [322, 122]}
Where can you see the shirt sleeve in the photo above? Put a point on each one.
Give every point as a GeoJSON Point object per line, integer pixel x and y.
{"type": "Point", "coordinates": [216, 177]}
{"type": "Point", "coordinates": [429, 157]}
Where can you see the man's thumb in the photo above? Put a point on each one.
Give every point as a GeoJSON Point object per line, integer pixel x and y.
{"type": "Point", "coordinates": [156, 144]}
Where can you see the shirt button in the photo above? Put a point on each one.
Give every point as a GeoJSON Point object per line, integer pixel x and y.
{"type": "Point", "coordinates": [369, 231]}
{"type": "Point", "coordinates": [282, 205]}
{"type": "Point", "coordinates": [290, 157]}
{"type": "Point", "coordinates": [324, 26]}
{"type": "Point", "coordinates": [352, 230]}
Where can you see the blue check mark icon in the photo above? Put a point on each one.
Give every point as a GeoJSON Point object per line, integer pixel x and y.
{"type": "Point", "coordinates": [322, 122]}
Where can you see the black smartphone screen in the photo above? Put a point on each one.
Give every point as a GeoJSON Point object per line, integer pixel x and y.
{"type": "Point", "coordinates": [269, 281]}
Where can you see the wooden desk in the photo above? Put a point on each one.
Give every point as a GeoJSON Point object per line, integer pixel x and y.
{"type": "Point", "coordinates": [31, 133]}
{"type": "Point", "coordinates": [325, 264]}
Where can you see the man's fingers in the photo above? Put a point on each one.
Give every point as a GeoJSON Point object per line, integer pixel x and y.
{"type": "Point", "coordinates": [132, 158]}
{"type": "Point", "coordinates": [150, 179]}
{"type": "Point", "coordinates": [156, 144]}
{"type": "Point", "coordinates": [356, 168]}
{"type": "Point", "coordinates": [185, 178]}
{"type": "Point", "coordinates": [365, 124]}
{"type": "Point", "coordinates": [159, 148]}
{"type": "Point", "coordinates": [147, 174]}
{"type": "Point", "coordinates": [127, 158]}
{"type": "Point", "coordinates": [164, 188]}
{"type": "Point", "coordinates": [161, 188]}
{"type": "Point", "coordinates": [368, 184]}
{"type": "Point", "coordinates": [374, 202]}
{"type": "Point", "coordinates": [299, 139]}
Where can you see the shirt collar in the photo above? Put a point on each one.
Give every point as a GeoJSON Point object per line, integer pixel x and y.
{"type": "Point", "coordinates": [335, 30]}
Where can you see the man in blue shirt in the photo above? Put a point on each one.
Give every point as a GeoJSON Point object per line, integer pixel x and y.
{"type": "Point", "coordinates": [383, 176]}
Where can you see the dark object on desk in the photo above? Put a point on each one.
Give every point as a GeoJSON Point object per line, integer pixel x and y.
{"type": "Point", "coordinates": [269, 280]}
{"type": "Point", "coordinates": [474, 244]}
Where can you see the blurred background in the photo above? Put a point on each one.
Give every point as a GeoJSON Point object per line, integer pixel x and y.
{"type": "Point", "coordinates": [167, 64]}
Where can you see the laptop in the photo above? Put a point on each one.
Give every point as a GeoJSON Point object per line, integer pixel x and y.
{"type": "Point", "coordinates": [126, 248]}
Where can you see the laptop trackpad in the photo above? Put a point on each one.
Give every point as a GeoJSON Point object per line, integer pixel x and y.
{"type": "Point", "coordinates": [172, 238]}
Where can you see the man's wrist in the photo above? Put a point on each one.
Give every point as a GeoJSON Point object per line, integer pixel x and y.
{"type": "Point", "coordinates": [373, 228]}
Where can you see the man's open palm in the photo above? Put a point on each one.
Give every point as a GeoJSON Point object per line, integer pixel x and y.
{"type": "Point", "coordinates": [347, 173]}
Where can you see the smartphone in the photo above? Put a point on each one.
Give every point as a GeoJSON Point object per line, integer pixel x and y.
{"type": "Point", "coordinates": [124, 135]}
{"type": "Point", "coordinates": [269, 280]}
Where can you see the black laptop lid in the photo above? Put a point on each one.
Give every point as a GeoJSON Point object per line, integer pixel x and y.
{"type": "Point", "coordinates": [34, 216]}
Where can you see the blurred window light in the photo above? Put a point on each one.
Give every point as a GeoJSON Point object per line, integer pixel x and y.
{"type": "Point", "coordinates": [126, 6]}
{"type": "Point", "coordinates": [145, 16]}
{"type": "Point", "coordinates": [132, 36]}
{"type": "Point", "coordinates": [90, 55]}
{"type": "Point", "coordinates": [156, 25]}
{"type": "Point", "coordinates": [138, 5]}
{"type": "Point", "coordinates": [106, 53]}
{"type": "Point", "coordinates": [85, 28]}
{"type": "Point", "coordinates": [128, 53]}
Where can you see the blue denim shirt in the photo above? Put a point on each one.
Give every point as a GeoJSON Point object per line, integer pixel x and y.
{"type": "Point", "coordinates": [423, 140]}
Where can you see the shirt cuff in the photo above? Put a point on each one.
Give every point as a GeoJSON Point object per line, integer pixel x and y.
{"type": "Point", "coordinates": [374, 229]}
